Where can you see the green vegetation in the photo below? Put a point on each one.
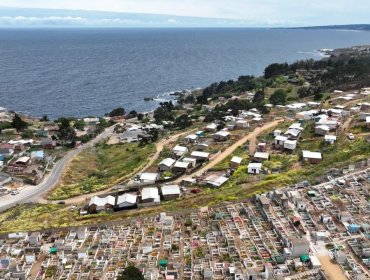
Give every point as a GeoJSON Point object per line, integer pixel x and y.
{"type": "Point", "coordinates": [131, 273]}
{"type": "Point", "coordinates": [100, 167]}
{"type": "Point", "coordinates": [18, 123]}
{"type": "Point", "coordinates": [33, 217]}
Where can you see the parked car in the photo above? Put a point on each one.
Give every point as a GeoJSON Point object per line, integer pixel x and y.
{"type": "Point", "coordinates": [14, 192]}
{"type": "Point", "coordinates": [61, 202]}
{"type": "Point", "coordinates": [350, 136]}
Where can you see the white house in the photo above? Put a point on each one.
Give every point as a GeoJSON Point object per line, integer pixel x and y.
{"type": "Point", "coordinates": [293, 133]}
{"type": "Point", "coordinates": [254, 168]}
{"type": "Point", "coordinates": [311, 157]}
{"type": "Point", "coordinates": [330, 139]}
{"type": "Point", "coordinates": [322, 129]}
{"type": "Point", "coordinates": [192, 138]}
{"type": "Point", "coordinates": [180, 150]}
{"type": "Point", "coordinates": [290, 145]}
{"type": "Point", "coordinates": [126, 200]}
{"type": "Point", "coordinates": [236, 161]}
{"type": "Point", "coordinates": [98, 204]}
{"type": "Point", "coordinates": [259, 156]}
{"type": "Point", "coordinates": [280, 140]}
{"type": "Point", "coordinates": [211, 127]}
{"type": "Point", "coordinates": [241, 124]}
{"type": "Point", "coordinates": [149, 178]}
{"type": "Point", "coordinates": [170, 192]}
{"type": "Point", "coordinates": [150, 195]}
{"type": "Point", "coordinates": [200, 156]}
{"type": "Point", "coordinates": [221, 135]}
{"type": "Point", "coordinates": [166, 164]}
{"type": "Point", "coordinates": [368, 122]}
{"type": "Point", "coordinates": [277, 132]}
{"type": "Point", "coordinates": [192, 161]}
{"type": "Point", "coordinates": [181, 166]}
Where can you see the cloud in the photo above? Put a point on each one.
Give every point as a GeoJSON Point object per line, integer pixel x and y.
{"type": "Point", "coordinates": [258, 12]}
{"type": "Point", "coordinates": [48, 20]}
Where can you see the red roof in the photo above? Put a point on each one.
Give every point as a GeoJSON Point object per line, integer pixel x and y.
{"type": "Point", "coordinates": [6, 146]}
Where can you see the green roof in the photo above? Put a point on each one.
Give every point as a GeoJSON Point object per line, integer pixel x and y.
{"type": "Point", "coordinates": [304, 258]}
{"type": "Point", "coordinates": [163, 262]}
{"type": "Point", "coordinates": [53, 250]}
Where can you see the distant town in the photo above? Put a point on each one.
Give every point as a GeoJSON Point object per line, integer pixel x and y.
{"type": "Point", "coordinates": [258, 178]}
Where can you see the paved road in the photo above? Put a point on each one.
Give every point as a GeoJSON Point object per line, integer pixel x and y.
{"type": "Point", "coordinates": [30, 193]}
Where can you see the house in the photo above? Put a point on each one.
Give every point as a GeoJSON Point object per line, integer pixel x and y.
{"type": "Point", "coordinates": [200, 133]}
{"type": "Point", "coordinates": [235, 162]}
{"type": "Point", "coordinates": [22, 161]}
{"type": "Point", "coordinates": [170, 192]}
{"type": "Point", "coordinates": [181, 166]}
{"type": "Point", "coordinates": [192, 138]}
{"type": "Point", "coordinates": [126, 201]}
{"type": "Point", "coordinates": [254, 168]}
{"type": "Point", "coordinates": [242, 124]}
{"type": "Point", "coordinates": [364, 115]}
{"type": "Point", "coordinates": [82, 253]}
{"type": "Point", "coordinates": [221, 135]}
{"type": "Point", "coordinates": [166, 164]}
{"type": "Point", "coordinates": [150, 195]}
{"type": "Point", "coordinates": [200, 156]}
{"type": "Point", "coordinates": [260, 157]}
{"type": "Point", "coordinates": [202, 146]}
{"type": "Point", "coordinates": [37, 155]}
{"type": "Point", "coordinates": [6, 150]}
{"type": "Point", "coordinates": [211, 127]}
{"type": "Point", "coordinates": [192, 161]}
{"type": "Point", "coordinates": [322, 129]}
{"type": "Point", "coordinates": [298, 246]}
{"type": "Point", "coordinates": [280, 140]}
{"type": "Point", "coordinates": [34, 239]}
{"type": "Point", "coordinates": [179, 151]}
{"type": "Point", "coordinates": [292, 133]}
{"type": "Point", "coordinates": [368, 122]}
{"type": "Point", "coordinates": [98, 204]}
{"type": "Point", "coordinates": [311, 157]}
{"type": "Point", "coordinates": [277, 132]}
{"type": "Point", "coordinates": [290, 145]}
{"type": "Point", "coordinates": [330, 139]}
{"type": "Point", "coordinates": [215, 180]}
{"type": "Point", "coordinates": [230, 126]}
{"type": "Point", "coordinates": [91, 121]}
{"type": "Point", "coordinates": [131, 136]}
{"type": "Point", "coordinates": [261, 147]}
{"type": "Point", "coordinates": [149, 178]}
{"type": "Point", "coordinates": [48, 143]}
{"type": "Point", "coordinates": [365, 107]}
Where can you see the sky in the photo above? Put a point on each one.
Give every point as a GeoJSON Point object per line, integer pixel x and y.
{"type": "Point", "coordinates": [253, 13]}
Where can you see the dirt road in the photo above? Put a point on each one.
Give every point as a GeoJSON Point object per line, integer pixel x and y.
{"type": "Point", "coordinates": [331, 269]}
{"type": "Point", "coordinates": [159, 148]}
{"type": "Point", "coordinates": [220, 157]}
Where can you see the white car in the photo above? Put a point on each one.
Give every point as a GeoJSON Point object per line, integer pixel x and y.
{"type": "Point", "coordinates": [350, 136]}
{"type": "Point", "coordinates": [14, 192]}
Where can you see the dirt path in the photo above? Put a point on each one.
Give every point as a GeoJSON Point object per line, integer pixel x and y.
{"type": "Point", "coordinates": [252, 145]}
{"type": "Point", "coordinates": [331, 269]}
{"type": "Point", "coordinates": [159, 148]}
{"type": "Point", "coordinates": [346, 125]}
{"type": "Point", "coordinates": [221, 156]}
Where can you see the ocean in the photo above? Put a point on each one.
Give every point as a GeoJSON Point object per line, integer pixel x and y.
{"type": "Point", "coordinates": [88, 72]}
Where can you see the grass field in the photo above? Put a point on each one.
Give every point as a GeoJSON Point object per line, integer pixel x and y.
{"type": "Point", "coordinates": [100, 167]}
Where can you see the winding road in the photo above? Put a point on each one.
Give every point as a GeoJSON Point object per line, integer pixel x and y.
{"type": "Point", "coordinates": [29, 193]}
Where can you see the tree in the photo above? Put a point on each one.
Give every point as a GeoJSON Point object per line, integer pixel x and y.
{"type": "Point", "coordinates": [278, 97]}
{"type": "Point", "coordinates": [18, 123]}
{"type": "Point", "coordinates": [79, 124]}
{"type": "Point", "coordinates": [44, 118]}
{"type": "Point", "coordinates": [132, 114]}
{"type": "Point", "coordinates": [66, 132]}
{"type": "Point", "coordinates": [131, 273]}
{"type": "Point", "coordinates": [183, 121]}
{"type": "Point", "coordinates": [118, 112]}
{"type": "Point", "coordinates": [140, 116]}
{"type": "Point", "coordinates": [27, 134]}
